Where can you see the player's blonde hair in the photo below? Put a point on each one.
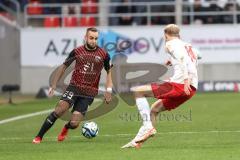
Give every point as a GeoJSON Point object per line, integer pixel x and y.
{"type": "Point", "coordinates": [172, 30]}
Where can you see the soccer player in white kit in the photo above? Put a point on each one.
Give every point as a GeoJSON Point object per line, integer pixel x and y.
{"type": "Point", "coordinates": [173, 92]}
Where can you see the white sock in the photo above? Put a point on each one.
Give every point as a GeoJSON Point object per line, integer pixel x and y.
{"type": "Point", "coordinates": [144, 110]}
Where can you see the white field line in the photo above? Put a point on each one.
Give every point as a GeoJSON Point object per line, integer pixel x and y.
{"type": "Point", "coordinates": [31, 115]}
{"type": "Point", "coordinates": [120, 135]}
{"type": "Point", "coordinates": [25, 116]}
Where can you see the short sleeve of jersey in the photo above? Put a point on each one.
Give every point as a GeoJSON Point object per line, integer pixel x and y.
{"type": "Point", "coordinates": [71, 57]}
{"type": "Point", "coordinates": [107, 65]}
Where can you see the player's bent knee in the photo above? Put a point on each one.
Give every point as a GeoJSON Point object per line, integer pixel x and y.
{"type": "Point", "coordinates": [61, 108]}
{"type": "Point", "coordinates": [59, 112]}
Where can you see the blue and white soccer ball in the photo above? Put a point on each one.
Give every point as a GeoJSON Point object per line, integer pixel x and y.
{"type": "Point", "coordinates": [90, 129]}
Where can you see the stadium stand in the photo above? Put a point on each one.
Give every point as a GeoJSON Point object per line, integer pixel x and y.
{"type": "Point", "coordinates": [70, 21]}
{"type": "Point", "coordinates": [51, 22]}
{"type": "Point", "coordinates": [87, 21]}
{"type": "Point", "coordinates": [89, 6]}
{"type": "Point", "coordinates": [126, 12]}
{"type": "Point", "coordinates": [35, 8]}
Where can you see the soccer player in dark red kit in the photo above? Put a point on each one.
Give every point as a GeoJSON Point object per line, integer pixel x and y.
{"type": "Point", "coordinates": [90, 60]}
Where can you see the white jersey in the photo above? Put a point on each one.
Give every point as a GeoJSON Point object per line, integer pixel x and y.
{"type": "Point", "coordinates": [184, 62]}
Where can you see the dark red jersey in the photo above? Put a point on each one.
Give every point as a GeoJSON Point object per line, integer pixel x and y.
{"type": "Point", "coordinates": [88, 67]}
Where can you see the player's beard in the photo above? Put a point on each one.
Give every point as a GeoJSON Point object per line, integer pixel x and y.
{"type": "Point", "coordinates": [90, 46]}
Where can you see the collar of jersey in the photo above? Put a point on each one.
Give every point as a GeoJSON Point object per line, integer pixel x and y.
{"type": "Point", "coordinates": [89, 49]}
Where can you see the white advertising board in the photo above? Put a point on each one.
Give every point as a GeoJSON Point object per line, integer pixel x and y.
{"type": "Point", "coordinates": [49, 47]}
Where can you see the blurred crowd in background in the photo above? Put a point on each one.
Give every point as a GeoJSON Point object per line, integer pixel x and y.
{"type": "Point", "coordinates": [125, 6]}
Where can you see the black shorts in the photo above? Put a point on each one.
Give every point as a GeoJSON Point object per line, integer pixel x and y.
{"type": "Point", "coordinates": [79, 102]}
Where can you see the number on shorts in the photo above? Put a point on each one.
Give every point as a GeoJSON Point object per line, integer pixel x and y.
{"type": "Point", "coordinates": [68, 94]}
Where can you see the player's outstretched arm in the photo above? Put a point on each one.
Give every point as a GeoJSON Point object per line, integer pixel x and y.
{"type": "Point", "coordinates": [59, 73]}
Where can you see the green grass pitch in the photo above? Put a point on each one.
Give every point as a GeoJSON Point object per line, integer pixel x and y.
{"type": "Point", "coordinates": [205, 128]}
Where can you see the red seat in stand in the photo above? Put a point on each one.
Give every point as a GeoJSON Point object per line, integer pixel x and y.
{"type": "Point", "coordinates": [51, 22]}
{"type": "Point", "coordinates": [70, 21]}
{"type": "Point", "coordinates": [87, 21]}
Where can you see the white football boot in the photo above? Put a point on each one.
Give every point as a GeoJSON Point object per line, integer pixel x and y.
{"type": "Point", "coordinates": [132, 144]}
{"type": "Point", "coordinates": [143, 134]}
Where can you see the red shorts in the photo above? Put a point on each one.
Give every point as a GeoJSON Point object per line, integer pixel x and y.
{"type": "Point", "coordinates": [172, 94]}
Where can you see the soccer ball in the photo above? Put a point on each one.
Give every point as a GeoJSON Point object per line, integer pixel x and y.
{"type": "Point", "coordinates": [90, 129]}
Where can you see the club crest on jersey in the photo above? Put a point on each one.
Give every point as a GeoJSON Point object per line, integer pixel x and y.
{"type": "Point", "coordinates": [98, 58]}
